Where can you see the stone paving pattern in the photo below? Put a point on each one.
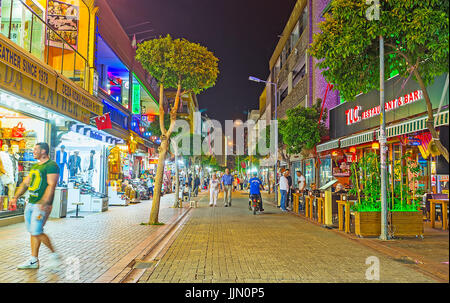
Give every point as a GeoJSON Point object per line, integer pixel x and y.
{"type": "Point", "coordinates": [227, 245]}
{"type": "Point", "coordinates": [98, 240]}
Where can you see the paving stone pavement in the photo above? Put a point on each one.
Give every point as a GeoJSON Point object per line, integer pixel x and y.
{"type": "Point", "coordinates": [96, 241]}
{"type": "Point", "coordinates": [227, 245]}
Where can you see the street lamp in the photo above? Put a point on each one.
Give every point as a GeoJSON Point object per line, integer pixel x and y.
{"type": "Point", "coordinates": [254, 79]}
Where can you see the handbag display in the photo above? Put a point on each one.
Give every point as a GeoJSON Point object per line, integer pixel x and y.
{"type": "Point", "coordinates": [18, 130]}
{"type": "Point", "coordinates": [6, 133]}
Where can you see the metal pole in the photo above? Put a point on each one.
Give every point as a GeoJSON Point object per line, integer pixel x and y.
{"type": "Point", "coordinates": [382, 139]}
{"type": "Point", "coordinates": [276, 143]}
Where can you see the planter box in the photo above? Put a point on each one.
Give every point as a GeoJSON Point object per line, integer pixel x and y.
{"type": "Point", "coordinates": [368, 223]}
{"type": "Point", "coordinates": [407, 223]}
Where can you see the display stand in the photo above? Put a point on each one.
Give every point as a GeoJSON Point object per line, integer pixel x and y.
{"type": "Point", "coordinates": [87, 202]}
{"type": "Point", "coordinates": [328, 202]}
{"type": "Point", "coordinates": [115, 198]}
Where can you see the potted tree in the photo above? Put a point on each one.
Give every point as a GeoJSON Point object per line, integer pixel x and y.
{"type": "Point", "coordinates": [366, 186]}
{"type": "Point", "coordinates": [406, 219]}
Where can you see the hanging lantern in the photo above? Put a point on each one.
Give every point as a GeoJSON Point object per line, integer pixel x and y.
{"type": "Point", "coordinates": [335, 153]}
{"type": "Point", "coordinates": [376, 145]}
{"type": "Point", "coordinates": [352, 150]}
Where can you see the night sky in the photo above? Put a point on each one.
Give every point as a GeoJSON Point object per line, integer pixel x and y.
{"type": "Point", "coordinates": [242, 33]}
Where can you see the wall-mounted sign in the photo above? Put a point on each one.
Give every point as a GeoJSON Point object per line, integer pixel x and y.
{"type": "Point", "coordinates": [355, 115]}
{"type": "Point", "coordinates": [136, 105]}
{"type": "Point", "coordinates": [404, 99]}
{"type": "Point", "coordinates": [64, 18]}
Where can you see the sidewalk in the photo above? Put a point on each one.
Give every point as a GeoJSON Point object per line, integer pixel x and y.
{"type": "Point", "coordinates": [228, 245]}
{"type": "Point", "coordinates": [96, 241]}
{"type": "Point", "coordinates": [430, 254]}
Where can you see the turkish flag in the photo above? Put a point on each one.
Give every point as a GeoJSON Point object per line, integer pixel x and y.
{"type": "Point", "coordinates": [103, 122]}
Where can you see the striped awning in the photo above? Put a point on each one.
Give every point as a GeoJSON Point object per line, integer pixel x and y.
{"type": "Point", "coordinates": [359, 139]}
{"type": "Point", "coordinates": [328, 145]}
{"type": "Point", "coordinates": [415, 125]}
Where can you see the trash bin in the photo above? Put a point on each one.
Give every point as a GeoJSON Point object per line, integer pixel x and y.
{"type": "Point", "coordinates": [59, 209]}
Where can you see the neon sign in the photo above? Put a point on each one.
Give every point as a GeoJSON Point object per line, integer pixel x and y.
{"type": "Point", "coordinates": [354, 115]}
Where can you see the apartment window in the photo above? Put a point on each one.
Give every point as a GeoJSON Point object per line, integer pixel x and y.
{"type": "Point", "coordinates": [295, 35]}
{"type": "Point", "coordinates": [298, 73]}
{"type": "Point", "coordinates": [284, 91]}
{"type": "Point", "coordinates": [277, 67]}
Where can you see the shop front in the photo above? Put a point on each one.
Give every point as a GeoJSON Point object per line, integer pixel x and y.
{"type": "Point", "coordinates": [36, 105]}
{"type": "Point", "coordinates": [354, 129]}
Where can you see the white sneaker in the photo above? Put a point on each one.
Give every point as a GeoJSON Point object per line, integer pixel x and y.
{"type": "Point", "coordinates": [54, 261]}
{"type": "Point", "coordinates": [29, 265]}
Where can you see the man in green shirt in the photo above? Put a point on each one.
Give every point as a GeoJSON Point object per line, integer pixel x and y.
{"type": "Point", "coordinates": [41, 184]}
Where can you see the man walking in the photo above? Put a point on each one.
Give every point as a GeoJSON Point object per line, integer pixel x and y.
{"type": "Point", "coordinates": [227, 183]}
{"type": "Point", "coordinates": [41, 184]}
{"type": "Point", "coordinates": [196, 185]}
{"type": "Point", "coordinates": [284, 188]}
{"type": "Point", "coordinates": [289, 193]}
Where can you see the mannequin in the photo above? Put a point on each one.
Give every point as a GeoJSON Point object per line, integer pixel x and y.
{"type": "Point", "coordinates": [89, 166]}
{"type": "Point", "coordinates": [7, 178]}
{"type": "Point", "coordinates": [61, 160]}
{"type": "Point", "coordinates": [74, 164]}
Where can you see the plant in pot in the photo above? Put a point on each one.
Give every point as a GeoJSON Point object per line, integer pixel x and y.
{"type": "Point", "coordinates": [366, 186]}
{"type": "Point", "coordinates": [405, 217]}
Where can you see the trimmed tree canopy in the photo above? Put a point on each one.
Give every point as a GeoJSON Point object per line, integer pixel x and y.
{"type": "Point", "coordinates": [416, 34]}
{"type": "Point", "coordinates": [173, 61]}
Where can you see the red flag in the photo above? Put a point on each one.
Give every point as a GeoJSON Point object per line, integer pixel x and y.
{"type": "Point", "coordinates": [103, 122]}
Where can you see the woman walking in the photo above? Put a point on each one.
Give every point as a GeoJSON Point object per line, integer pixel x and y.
{"type": "Point", "coordinates": [214, 189]}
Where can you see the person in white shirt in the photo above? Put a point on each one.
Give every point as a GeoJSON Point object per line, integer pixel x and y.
{"type": "Point", "coordinates": [284, 188]}
{"type": "Point", "coordinates": [214, 189]}
{"type": "Point", "coordinates": [301, 181]}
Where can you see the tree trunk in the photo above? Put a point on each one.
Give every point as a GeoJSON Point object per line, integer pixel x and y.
{"type": "Point", "coordinates": [176, 204]}
{"type": "Point", "coordinates": [430, 122]}
{"type": "Point", "coordinates": [158, 181]}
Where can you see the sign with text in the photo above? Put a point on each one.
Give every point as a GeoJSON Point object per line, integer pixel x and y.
{"type": "Point", "coordinates": [403, 100]}
{"type": "Point", "coordinates": [21, 85]}
{"type": "Point", "coordinates": [24, 63]}
{"type": "Point", "coordinates": [75, 94]}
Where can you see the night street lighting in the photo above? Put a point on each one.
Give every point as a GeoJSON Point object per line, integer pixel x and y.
{"type": "Point", "coordinates": [254, 79]}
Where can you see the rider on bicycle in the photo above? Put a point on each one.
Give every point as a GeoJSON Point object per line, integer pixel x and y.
{"type": "Point", "coordinates": [255, 186]}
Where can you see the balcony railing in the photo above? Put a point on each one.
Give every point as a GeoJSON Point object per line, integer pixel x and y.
{"type": "Point", "coordinates": [34, 35]}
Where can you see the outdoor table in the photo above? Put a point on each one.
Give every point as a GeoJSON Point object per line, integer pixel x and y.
{"type": "Point", "coordinates": [344, 207]}
{"type": "Point", "coordinates": [444, 204]}
{"type": "Point", "coordinates": [296, 202]}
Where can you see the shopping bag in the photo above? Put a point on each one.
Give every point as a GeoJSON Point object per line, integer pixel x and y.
{"type": "Point", "coordinates": [18, 130]}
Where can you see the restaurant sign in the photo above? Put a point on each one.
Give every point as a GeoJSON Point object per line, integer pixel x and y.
{"type": "Point", "coordinates": [355, 115]}
{"type": "Point", "coordinates": [404, 99]}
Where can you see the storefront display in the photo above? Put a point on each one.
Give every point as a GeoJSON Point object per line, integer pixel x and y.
{"type": "Point", "coordinates": [309, 172]}
{"type": "Point", "coordinates": [19, 134]}
{"type": "Point", "coordinates": [325, 171]}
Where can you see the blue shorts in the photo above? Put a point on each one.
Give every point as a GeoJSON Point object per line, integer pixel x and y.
{"type": "Point", "coordinates": [35, 219]}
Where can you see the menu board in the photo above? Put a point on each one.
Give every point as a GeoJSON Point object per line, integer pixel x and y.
{"type": "Point", "coordinates": [64, 18]}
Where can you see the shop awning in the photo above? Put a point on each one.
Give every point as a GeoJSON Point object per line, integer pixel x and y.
{"type": "Point", "coordinates": [415, 125]}
{"type": "Point", "coordinates": [359, 139]}
{"type": "Point", "coordinates": [328, 145]}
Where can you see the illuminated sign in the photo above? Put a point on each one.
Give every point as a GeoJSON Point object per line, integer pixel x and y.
{"type": "Point", "coordinates": [136, 107]}
{"type": "Point", "coordinates": [354, 115]}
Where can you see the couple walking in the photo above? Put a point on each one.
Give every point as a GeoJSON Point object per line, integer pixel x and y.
{"type": "Point", "coordinates": [215, 186]}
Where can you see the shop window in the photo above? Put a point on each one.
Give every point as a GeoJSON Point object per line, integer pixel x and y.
{"type": "Point", "coordinates": [19, 134]}
{"type": "Point", "coordinates": [325, 171]}
{"type": "Point", "coordinates": [309, 172]}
